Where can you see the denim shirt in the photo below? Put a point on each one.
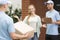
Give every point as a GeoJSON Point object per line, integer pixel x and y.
{"type": "Point", "coordinates": [6, 26]}
{"type": "Point", "coordinates": [52, 29]}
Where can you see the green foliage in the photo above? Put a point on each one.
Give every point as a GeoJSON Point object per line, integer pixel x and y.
{"type": "Point", "coordinates": [15, 12]}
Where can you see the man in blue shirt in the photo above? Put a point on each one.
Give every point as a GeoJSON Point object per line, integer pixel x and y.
{"type": "Point", "coordinates": [7, 30]}
{"type": "Point", "coordinates": [52, 29]}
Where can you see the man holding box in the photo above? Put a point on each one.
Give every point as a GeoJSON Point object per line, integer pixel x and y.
{"type": "Point", "coordinates": [52, 28]}
{"type": "Point", "coordinates": [7, 30]}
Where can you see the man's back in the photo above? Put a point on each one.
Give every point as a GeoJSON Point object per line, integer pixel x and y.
{"type": "Point", "coordinates": [6, 26]}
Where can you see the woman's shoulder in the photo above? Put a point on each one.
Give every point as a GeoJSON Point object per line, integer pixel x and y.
{"type": "Point", "coordinates": [26, 16]}
{"type": "Point", "coordinates": [37, 16]}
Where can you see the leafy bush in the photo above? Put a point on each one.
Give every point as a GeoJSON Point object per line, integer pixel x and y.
{"type": "Point", "coordinates": [16, 12]}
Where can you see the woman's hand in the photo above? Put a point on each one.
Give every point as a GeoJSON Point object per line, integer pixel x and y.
{"type": "Point", "coordinates": [44, 25]}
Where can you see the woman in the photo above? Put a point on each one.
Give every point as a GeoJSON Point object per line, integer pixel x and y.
{"type": "Point", "coordinates": [34, 21]}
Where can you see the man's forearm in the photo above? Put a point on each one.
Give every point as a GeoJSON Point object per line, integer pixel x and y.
{"type": "Point", "coordinates": [17, 36]}
{"type": "Point", "coordinates": [58, 22]}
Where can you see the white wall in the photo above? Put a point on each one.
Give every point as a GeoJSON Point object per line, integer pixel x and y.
{"type": "Point", "coordinates": [16, 3]}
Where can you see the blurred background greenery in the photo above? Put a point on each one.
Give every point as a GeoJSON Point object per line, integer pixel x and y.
{"type": "Point", "coordinates": [12, 13]}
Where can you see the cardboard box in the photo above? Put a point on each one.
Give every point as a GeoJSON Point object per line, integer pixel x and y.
{"type": "Point", "coordinates": [22, 28]}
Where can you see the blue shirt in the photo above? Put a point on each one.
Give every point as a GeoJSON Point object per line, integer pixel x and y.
{"type": "Point", "coordinates": [6, 26]}
{"type": "Point", "coordinates": [52, 29]}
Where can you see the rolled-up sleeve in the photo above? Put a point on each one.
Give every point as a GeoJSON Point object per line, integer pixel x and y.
{"type": "Point", "coordinates": [57, 16]}
{"type": "Point", "coordinates": [39, 26]}
{"type": "Point", "coordinates": [39, 22]}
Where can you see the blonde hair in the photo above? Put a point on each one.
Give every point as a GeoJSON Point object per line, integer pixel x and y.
{"type": "Point", "coordinates": [29, 14]}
